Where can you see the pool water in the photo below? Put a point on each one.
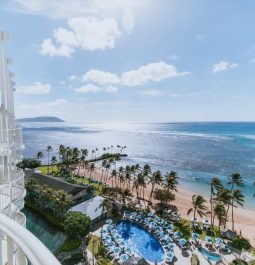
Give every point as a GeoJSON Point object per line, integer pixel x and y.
{"type": "Point", "coordinates": [210, 256]}
{"type": "Point", "coordinates": [141, 241]}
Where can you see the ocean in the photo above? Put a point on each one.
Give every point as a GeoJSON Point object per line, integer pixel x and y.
{"type": "Point", "coordinates": [197, 151]}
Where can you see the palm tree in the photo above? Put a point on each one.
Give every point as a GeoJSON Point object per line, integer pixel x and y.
{"type": "Point", "coordinates": [164, 196]}
{"type": "Point", "coordinates": [198, 206]}
{"type": "Point", "coordinates": [91, 169]}
{"type": "Point", "coordinates": [254, 186]}
{"type": "Point", "coordinates": [238, 198]}
{"type": "Point", "coordinates": [39, 155]}
{"type": "Point", "coordinates": [215, 187]}
{"type": "Point", "coordinates": [171, 181]}
{"type": "Point", "coordinates": [236, 181]}
{"type": "Point", "coordinates": [53, 163]}
{"type": "Point", "coordinates": [113, 176]}
{"type": "Point", "coordinates": [220, 212]}
{"type": "Point", "coordinates": [105, 207]}
{"type": "Point", "coordinates": [48, 149]}
{"type": "Point", "coordinates": [155, 179]}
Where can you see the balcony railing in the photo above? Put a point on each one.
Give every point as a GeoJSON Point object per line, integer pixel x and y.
{"type": "Point", "coordinates": [18, 245]}
{"type": "Point", "coordinates": [11, 138]}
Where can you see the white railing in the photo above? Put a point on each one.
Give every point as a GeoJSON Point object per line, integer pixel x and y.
{"type": "Point", "coordinates": [11, 138]}
{"type": "Point", "coordinates": [20, 245]}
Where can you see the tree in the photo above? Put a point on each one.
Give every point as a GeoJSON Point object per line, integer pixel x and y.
{"type": "Point", "coordinates": [198, 206]}
{"type": "Point", "coordinates": [53, 163]}
{"type": "Point", "coordinates": [171, 181]}
{"type": "Point", "coordinates": [164, 196]}
{"type": "Point", "coordinates": [39, 156]}
{"type": "Point", "coordinates": [48, 149]}
{"type": "Point", "coordinates": [91, 169]}
{"type": "Point", "coordinates": [237, 199]}
{"type": "Point", "coordinates": [155, 179]}
{"type": "Point", "coordinates": [215, 187]}
{"type": "Point", "coordinates": [77, 225]}
{"type": "Point", "coordinates": [220, 212]}
{"type": "Point", "coordinates": [29, 163]}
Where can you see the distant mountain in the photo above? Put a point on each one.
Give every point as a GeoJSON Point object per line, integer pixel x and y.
{"type": "Point", "coordinates": [41, 119]}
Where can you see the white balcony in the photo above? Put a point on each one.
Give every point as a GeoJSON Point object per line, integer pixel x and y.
{"type": "Point", "coordinates": [11, 138]}
{"type": "Point", "coordinates": [18, 246]}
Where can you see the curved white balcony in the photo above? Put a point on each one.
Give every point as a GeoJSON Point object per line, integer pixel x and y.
{"type": "Point", "coordinates": [11, 138]}
{"type": "Point", "coordinates": [18, 245]}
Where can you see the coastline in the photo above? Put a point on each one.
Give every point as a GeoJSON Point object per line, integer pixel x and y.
{"type": "Point", "coordinates": [244, 218]}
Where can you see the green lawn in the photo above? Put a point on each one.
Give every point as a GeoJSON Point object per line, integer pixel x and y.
{"type": "Point", "coordinates": [70, 244]}
{"type": "Point", "coordinates": [52, 170]}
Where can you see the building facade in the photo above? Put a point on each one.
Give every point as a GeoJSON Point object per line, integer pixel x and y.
{"type": "Point", "coordinates": [17, 245]}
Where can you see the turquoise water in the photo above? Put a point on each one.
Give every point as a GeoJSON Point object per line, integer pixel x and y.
{"type": "Point", "coordinates": [47, 233]}
{"type": "Point", "coordinates": [192, 149]}
{"type": "Point", "coordinates": [209, 255]}
{"type": "Point", "coordinates": [141, 241]}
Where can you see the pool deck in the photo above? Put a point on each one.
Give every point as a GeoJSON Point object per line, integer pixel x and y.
{"type": "Point", "coordinates": [183, 257]}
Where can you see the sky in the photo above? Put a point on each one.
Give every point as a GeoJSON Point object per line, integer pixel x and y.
{"type": "Point", "coordinates": [132, 60]}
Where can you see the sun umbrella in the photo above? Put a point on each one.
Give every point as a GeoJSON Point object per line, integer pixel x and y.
{"type": "Point", "coordinates": [162, 234]}
{"type": "Point", "coordinates": [170, 228]}
{"type": "Point", "coordinates": [123, 257]}
{"type": "Point", "coordinates": [111, 244]}
{"type": "Point", "coordinates": [170, 245]}
{"type": "Point", "coordinates": [122, 244]}
{"type": "Point", "coordinates": [127, 250]}
{"type": "Point", "coordinates": [117, 250]}
{"type": "Point", "coordinates": [177, 234]}
{"type": "Point", "coordinates": [208, 239]}
{"type": "Point", "coordinates": [109, 227]}
{"type": "Point", "coordinates": [150, 214]}
{"type": "Point", "coordinates": [182, 241]}
{"type": "Point", "coordinates": [169, 256]}
{"type": "Point", "coordinates": [108, 221]}
{"type": "Point", "coordinates": [218, 240]}
{"type": "Point", "coordinates": [195, 235]}
{"type": "Point", "coordinates": [168, 239]}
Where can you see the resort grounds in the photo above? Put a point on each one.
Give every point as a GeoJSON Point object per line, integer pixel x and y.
{"type": "Point", "coordinates": [244, 218]}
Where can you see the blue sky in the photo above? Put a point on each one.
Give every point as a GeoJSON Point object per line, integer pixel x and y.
{"type": "Point", "coordinates": [132, 60]}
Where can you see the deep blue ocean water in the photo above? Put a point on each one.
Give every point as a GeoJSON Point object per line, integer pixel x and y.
{"type": "Point", "coordinates": [194, 150]}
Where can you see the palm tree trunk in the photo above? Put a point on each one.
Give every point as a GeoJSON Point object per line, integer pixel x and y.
{"type": "Point", "coordinates": [232, 215]}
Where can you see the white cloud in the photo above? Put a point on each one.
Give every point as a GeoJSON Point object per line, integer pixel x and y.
{"type": "Point", "coordinates": [73, 77]}
{"type": "Point", "coordinates": [150, 92]}
{"type": "Point", "coordinates": [223, 66]}
{"type": "Point", "coordinates": [48, 48]}
{"type": "Point", "coordinates": [100, 77]}
{"type": "Point", "coordinates": [87, 33]}
{"type": "Point", "coordinates": [36, 89]}
{"type": "Point", "coordinates": [91, 88]}
{"type": "Point", "coordinates": [150, 72]}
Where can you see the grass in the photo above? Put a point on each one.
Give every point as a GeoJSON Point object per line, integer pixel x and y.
{"type": "Point", "coordinates": [52, 170]}
{"type": "Point", "coordinates": [70, 244]}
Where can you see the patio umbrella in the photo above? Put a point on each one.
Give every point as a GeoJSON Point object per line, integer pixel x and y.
{"type": "Point", "coordinates": [111, 244]}
{"type": "Point", "coordinates": [117, 250]}
{"type": "Point", "coordinates": [108, 221]}
{"type": "Point", "coordinates": [170, 245]}
{"type": "Point", "coordinates": [109, 227]}
{"type": "Point", "coordinates": [162, 234]}
{"type": "Point", "coordinates": [123, 257]}
{"type": "Point", "coordinates": [169, 256]}
{"type": "Point", "coordinates": [168, 239]}
{"type": "Point", "coordinates": [122, 244]}
{"type": "Point", "coordinates": [208, 239]}
{"type": "Point", "coordinates": [195, 235]}
{"type": "Point", "coordinates": [182, 241]}
{"type": "Point", "coordinates": [177, 234]}
{"type": "Point", "coordinates": [150, 214]}
{"type": "Point", "coordinates": [170, 228]}
{"type": "Point", "coordinates": [128, 250]}
{"type": "Point", "coordinates": [218, 241]}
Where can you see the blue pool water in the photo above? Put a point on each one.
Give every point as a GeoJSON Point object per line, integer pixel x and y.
{"type": "Point", "coordinates": [210, 256]}
{"type": "Point", "coordinates": [142, 242]}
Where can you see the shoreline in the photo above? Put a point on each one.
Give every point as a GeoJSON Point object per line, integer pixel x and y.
{"type": "Point", "coordinates": [244, 218]}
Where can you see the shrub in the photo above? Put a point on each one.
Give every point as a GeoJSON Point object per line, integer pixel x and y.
{"type": "Point", "coordinates": [70, 244]}
{"type": "Point", "coordinates": [76, 224]}
{"type": "Point", "coordinates": [29, 163]}
{"type": "Point", "coordinates": [238, 262]}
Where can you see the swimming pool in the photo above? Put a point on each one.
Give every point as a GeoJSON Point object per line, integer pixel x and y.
{"type": "Point", "coordinates": [141, 241]}
{"type": "Point", "coordinates": [210, 256]}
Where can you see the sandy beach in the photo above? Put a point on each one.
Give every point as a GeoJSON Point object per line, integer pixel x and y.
{"type": "Point", "coordinates": [244, 218]}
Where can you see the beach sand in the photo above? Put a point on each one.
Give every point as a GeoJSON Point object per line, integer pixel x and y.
{"type": "Point", "coordinates": [244, 218]}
